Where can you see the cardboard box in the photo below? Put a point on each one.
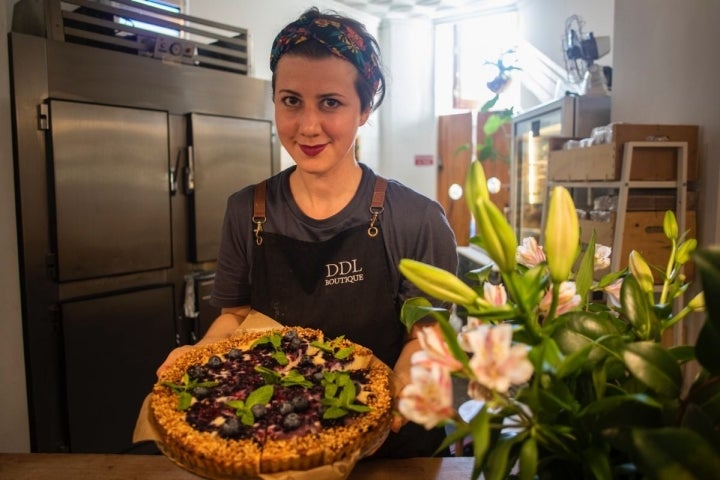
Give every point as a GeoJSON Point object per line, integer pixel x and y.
{"type": "Point", "coordinates": [642, 231]}
{"type": "Point", "coordinates": [603, 162]}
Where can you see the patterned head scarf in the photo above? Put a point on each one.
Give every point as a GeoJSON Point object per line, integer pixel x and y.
{"type": "Point", "coordinates": [340, 39]}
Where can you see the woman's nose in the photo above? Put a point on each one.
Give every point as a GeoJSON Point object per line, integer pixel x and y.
{"type": "Point", "coordinates": [310, 122]}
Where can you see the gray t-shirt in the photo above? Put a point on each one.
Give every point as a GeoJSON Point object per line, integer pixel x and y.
{"type": "Point", "coordinates": [413, 226]}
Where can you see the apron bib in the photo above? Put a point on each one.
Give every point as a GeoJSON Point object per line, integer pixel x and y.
{"type": "Point", "coordinates": [340, 286]}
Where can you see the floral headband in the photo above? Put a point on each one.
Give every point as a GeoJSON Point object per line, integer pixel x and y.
{"type": "Point", "coordinates": [340, 39]}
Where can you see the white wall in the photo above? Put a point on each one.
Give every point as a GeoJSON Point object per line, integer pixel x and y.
{"type": "Point", "coordinates": [408, 126]}
{"type": "Point", "coordinates": [542, 24]}
{"type": "Point", "coordinates": [666, 69]}
{"type": "Point", "coordinates": [14, 429]}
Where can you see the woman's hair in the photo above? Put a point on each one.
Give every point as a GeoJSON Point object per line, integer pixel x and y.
{"type": "Point", "coordinates": [319, 35]}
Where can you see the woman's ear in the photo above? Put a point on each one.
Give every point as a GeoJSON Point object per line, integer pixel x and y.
{"type": "Point", "coordinates": [364, 115]}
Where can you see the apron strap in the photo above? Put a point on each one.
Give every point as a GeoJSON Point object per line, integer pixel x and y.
{"type": "Point", "coordinates": [259, 217]}
{"type": "Point", "coordinates": [376, 207]}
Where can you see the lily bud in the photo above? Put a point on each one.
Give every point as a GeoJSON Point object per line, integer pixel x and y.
{"type": "Point", "coordinates": [685, 251]}
{"type": "Point", "coordinates": [496, 235]}
{"type": "Point", "coordinates": [697, 304]}
{"type": "Point", "coordinates": [641, 271]}
{"type": "Point", "coordinates": [670, 226]}
{"type": "Point", "coordinates": [475, 186]}
{"type": "Point", "coordinates": [562, 234]}
{"type": "Point", "coordinates": [437, 283]}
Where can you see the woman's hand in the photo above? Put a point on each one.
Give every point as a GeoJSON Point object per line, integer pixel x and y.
{"type": "Point", "coordinates": [401, 377]}
{"type": "Point", "coordinates": [223, 326]}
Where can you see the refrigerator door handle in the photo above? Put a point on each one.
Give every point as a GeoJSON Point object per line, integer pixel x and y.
{"type": "Point", "coordinates": [190, 171]}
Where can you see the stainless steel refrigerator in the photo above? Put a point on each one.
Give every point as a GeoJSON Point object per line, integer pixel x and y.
{"type": "Point", "coordinates": [127, 146]}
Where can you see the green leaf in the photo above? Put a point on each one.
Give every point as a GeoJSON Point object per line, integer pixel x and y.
{"type": "Point", "coordinates": [280, 357]}
{"type": "Point", "coordinates": [652, 365]}
{"type": "Point", "coordinates": [334, 412]}
{"type": "Point", "coordinates": [638, 310]}
{"type": "Point", "coordinates": [416, 308]}
{"type": "Point", "coordinates": [269, 376]}
{"type": "Point", "coordinates": [584, 276]}
{"type": "Point", "coordinates": [708, 342]}
{"type": "Point", "coordinates": [480, 426]}
{"type": "Point", "coordinates": [598, 463]}
{"type": "Point", "coordinates": [343, 353]}
{"type": "Point", "coordinates": [184, 400]}
{"type": "Point", "coordinates": [528, 459]}
{"type": "Point", "coordinates": [293, 377]}
{"type": "Point", "coordinates": [246, 417]}
{"type": "Point", "coordinates": [457, 434]}
{"type": "Point", "coordinates": [613, 402]}
{"type": "Point", "coordinates": [674, 453]}
{"type": "Point", "coordinates": [497, 462]}
{"type": "Point", "coordinates": [260, 396]}
{"type": "Point", "coordinates": [574, 362]}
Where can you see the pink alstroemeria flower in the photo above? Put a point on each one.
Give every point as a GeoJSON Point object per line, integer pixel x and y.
{"type": "Point", "coordinates": [613, 292]}
{"type": "Point", "coordinates": [495, 294]}
{"type": "Point", "coordinates": [567, 299]}
{"type": "Point", "coordinates": [428, 399]}
{"type": "Point", "coordinates": [530, 253]}
{"type": "Point", "coordinates": [602, 257]}
{"type": "Point", "coordinates": [496, 363]}
{"type": "Point", "coordinates": [435, 349]}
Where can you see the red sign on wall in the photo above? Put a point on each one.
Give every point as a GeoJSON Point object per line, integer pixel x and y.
{"type": "Point", "coordinates": [423, 160]}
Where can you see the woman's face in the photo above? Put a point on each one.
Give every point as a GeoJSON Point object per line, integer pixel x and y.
{"type": "Point", "coordinates": [317, 111]}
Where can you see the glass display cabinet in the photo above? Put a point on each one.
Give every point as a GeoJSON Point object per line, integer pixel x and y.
{"type": "Point", "coordinates": [535, 133]}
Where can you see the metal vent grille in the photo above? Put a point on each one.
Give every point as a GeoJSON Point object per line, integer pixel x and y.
{"type": "Point", "coordinates": [122, 25]}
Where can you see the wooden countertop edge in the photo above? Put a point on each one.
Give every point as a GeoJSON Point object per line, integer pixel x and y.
{"type": "Point", "coordinates": [57, 466]}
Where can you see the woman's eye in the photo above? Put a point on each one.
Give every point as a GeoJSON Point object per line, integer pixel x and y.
{"type": "Point", "coordinates": [291, 101]}
{"type": "Point", "coordinates": [331, 103]}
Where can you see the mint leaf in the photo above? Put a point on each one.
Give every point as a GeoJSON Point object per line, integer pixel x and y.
{"type": "Point", "coordinates": [280, 357]}
{"type": "Point", "coordinates": [270, 377]}
{"type": "Point", "coordinates": [343, 353]}
{"type": "Point", "coordinates": [334, 412]}
{"type": "Point", "coordinates": [293, 377]}
{"type": "Point", "coordinates": [184, 400]}
{"type": "Point", "coordinates": [260, 396]}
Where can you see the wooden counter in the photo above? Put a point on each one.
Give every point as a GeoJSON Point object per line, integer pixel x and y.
{"type": "Point", "coordinates": [52, 466]}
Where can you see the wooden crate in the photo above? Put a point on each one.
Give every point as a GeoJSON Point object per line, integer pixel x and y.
{"type": "Point", "coordinates": [603, 162]}
{"type": "Point", "coordinates": [642, 231]}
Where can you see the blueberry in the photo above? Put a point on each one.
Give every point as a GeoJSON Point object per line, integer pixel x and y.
{"type": "Point", "coordinates": [214, 362]}
{"type": "Point", "coordinates": [299, 403]}
{"type": "Point", "coordinates": [231, 428]}
{"type": "Point", "coordinates": [291, 421]}
{"type": "Point", "coordinates": [290, 336]}
{"type": "Point", "coordinates": [258, 410]}
{"type": "Point", "coordinates": [201, 392]}
{"type": "Point", "coordinates": [235, 354]}
{"type": "Point", "coordinates": [295, 344]}
{"type": "Point", "coordinates": [195, 371]}
{"type": "Point", "coordinates": [286, 408]}
{"type": "Point", "coordinates": [306, 361]}
{"type": "Point", "coordinates": [318, 376]}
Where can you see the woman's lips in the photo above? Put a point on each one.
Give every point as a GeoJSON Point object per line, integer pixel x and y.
{"type": "Point", "coordinates": [312, 150]}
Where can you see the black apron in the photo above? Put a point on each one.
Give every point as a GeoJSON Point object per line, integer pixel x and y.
{"type": "Point", "coordinates": [341, 286]}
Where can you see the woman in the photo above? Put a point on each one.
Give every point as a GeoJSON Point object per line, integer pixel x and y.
{"type": "Point", "coordinates": [318, 244]}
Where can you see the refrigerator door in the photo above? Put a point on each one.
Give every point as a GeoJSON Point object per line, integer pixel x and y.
{"type": "Point", "coordinates": [110, 362]}
{"type": "Point", "coordinates": [111, 191]}
{"type": "Point", "coordinates": [227, 154]}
